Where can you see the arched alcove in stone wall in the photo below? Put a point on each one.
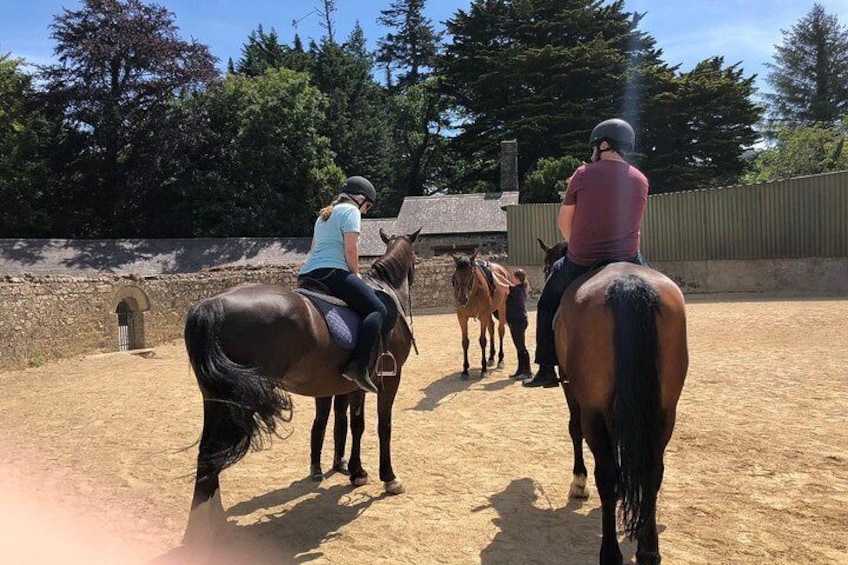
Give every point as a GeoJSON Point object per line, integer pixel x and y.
{"type": "Point", "coordinates": [129, 304]}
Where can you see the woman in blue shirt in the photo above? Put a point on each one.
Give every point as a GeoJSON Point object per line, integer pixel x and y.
{"type": "Point", "coordinates": [334, 261]}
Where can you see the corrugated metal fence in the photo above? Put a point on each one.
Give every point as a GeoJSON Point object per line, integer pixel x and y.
{"type": "Point", "coordinates": [799, 217]}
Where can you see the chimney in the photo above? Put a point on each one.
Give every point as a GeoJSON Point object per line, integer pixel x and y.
{"type": "Point", "coordinates": [509, 165]}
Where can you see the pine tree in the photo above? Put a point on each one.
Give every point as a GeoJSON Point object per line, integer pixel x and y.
{"type": "Point", "coordinates": [407, 53]}
{"type": "Point", "coordinates": [810, 72]}
{"type": "Point", "coordinates": [543, 72]}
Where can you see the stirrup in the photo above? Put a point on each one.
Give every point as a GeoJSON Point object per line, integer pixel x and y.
{"type": "Point", "coordinates": [391, 371]}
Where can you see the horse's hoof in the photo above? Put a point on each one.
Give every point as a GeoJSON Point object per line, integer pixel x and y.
{"type": "Point", "coordinates": [340, 466]}
{"type": "Point", "coordinates": [500, 364]}
{"type": "Point", "coordinates": [360, 481]}
{"type": "Point", "coordinates": [578, 488]}
{"type": "Point", "coordinates": [464, 376]}
{"type": "Point", "coordinates": [395, 487]}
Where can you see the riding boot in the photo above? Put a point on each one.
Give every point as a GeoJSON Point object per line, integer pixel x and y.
{"type": "Point", "coordinates": [359, 375]}
{"type": "Point", "coordinates": [520, 371]}
{"type": "Point", "coordinates": [546, 377]}
{"type": "Point", "coordinates": [524, 366]}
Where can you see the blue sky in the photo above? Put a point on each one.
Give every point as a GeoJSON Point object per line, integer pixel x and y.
{"type": "Point", "coordinates": [687, 31]}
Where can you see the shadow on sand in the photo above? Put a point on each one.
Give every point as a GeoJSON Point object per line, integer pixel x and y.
{"type": "Point", "coordinates": [441, 389]}
{"type": "Point", "coordinates": [530, 534]}
{"type": "Point", "coordinates": [279, 536]}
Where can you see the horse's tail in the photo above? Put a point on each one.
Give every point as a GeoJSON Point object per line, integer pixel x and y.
{"type": "Point", "coordinates": [637, 404]}
{"type": "Point", "coordinates": [240, 403]}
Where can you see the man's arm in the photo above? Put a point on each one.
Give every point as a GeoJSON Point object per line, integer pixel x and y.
{"type": "Point", "coordinates": [566, 215]}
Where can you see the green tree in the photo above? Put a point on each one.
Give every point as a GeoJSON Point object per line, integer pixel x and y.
{"type": "Point", "coordinates": [548, 179]}
{"type": "Point", "coordinates": [260, 165]}
{"type": "Point", "coordinates": [806, 150]}
{"type": "Point", "coordinates": [699, 128]}
{"type": "Point", "coordinates": [546, 71]}
{"type": "Point", "coordinates": [810, 71]}
{"type": "Point", "coordinates": [358, 124]}
{"type": "Point", "coordinates": [264, 51]}
{"type": "Point", "coordinates": [540, 71]}
{"type": "Point", "coordinates": [25, 176]}
{"type": "Point", "coordinates": [407, 53]}
{"type": "Point", "coordinates": [121, 63]}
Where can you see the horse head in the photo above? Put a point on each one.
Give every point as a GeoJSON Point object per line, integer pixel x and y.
{"type": "Point", "coordinates": [464, 279]}
{"type": "Point", "coordinates": [552, 255]}
{"type": "Point", "coordinates": [397, 265]}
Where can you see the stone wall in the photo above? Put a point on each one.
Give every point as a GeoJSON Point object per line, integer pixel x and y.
{"type": "Point", "coordinates": [50, 317]}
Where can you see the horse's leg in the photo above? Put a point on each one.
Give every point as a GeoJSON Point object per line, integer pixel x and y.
{"type": "Point", "coordinates": [463, 326]}
{"type": "Point", "coordinates": [501, 333]}
{"type": "Point", "coordinates": [484, 324]}
{"type": "Point", "coordinates": [316, 440]}
{"type": "Point", "coordinates": [340, 427]}
{"type": "Point", "coordinates": [600, 443]}
{"type": "Point", "coordinates": [648, 543]}
{"type": "Point", "coordinates": [358, 476]}
{"type": "Point", "coordinates": [206, 521]}
{"type": "Point", "coordinates": [578, 487]}
{"type": "Point", "coordinates": [385, 400]}
{"type": "Point", "coordinates": [491, 330]}
{"type": "Point", "coordinates": [648, 548]}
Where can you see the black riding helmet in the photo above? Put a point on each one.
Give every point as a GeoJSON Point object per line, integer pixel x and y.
{"type": "Point", "coordinates": [616, 131]}
{"type": "Point", "coordinates": [360, 185]}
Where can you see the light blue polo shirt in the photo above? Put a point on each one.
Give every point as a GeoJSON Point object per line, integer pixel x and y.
{"type": "Point", "coordinates": [328, 240]}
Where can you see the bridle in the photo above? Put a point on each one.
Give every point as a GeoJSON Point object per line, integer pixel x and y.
{"type": "Point", "coordinates": [470, 287]}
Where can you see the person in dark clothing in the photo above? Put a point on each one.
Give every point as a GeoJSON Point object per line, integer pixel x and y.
{"type": "Point", "coordinates": [601, 219]}
{"type": "Point", "coordinates": [516, 319]}
{"type": "Point", "coordinates": [340, 404]}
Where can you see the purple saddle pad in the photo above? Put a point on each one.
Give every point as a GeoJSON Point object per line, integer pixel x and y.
{"type": "Point", "coordinates": [342, 321]}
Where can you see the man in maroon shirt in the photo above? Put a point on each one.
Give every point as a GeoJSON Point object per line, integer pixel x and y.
{"type": "Point", "coordinates": [601, 219]}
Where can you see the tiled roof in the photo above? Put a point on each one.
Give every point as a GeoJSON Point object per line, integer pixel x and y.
{"type": "Point", "coordinates": [370, 243]}
{"type": "Point", "coordinates": [144, 257]}
{"type": "Point", "coordinates": [459, 213]}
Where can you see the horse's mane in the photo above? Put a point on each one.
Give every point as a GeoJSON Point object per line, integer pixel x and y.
{"type": "Point", "coordinates": [393, 265]}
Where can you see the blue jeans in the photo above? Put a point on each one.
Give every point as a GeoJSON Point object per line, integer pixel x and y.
{"type": "Point", "coordinates": [562, 274]}
{"type": "Point", "coordinates": [364, 301]}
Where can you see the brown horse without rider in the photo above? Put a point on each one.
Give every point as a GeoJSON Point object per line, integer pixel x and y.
{"type": "Point", "coordinates": [621, 341]}
{"type": "Point", "coordinates": [252, 345]}
{"type": "Point", "coordinates": [480, 289]}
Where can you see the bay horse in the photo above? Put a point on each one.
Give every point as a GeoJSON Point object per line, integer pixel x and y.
{"type": "Point", "coordinates": [480, 289]}
{"type": "Point", "coordinates": [253, 345]}
{"type": "Point", "coordinates": [621, 341]}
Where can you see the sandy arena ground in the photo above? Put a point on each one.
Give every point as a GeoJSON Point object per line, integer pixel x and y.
{"type": "Point", "coordinates": [94, 469]}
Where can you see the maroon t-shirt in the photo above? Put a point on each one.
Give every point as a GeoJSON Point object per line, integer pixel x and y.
{"type": "Point", "coordinates": [610, 198]}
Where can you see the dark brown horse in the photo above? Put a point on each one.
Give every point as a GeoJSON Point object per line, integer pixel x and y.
{"type": "Point", "coordinates": [480, 289]}
{"type": "Point", "coordinates": [252, 345]}
{"type": "Point", "coordinates": [552, 254]}
{"type": "Point", "coordinates": [621, 341]}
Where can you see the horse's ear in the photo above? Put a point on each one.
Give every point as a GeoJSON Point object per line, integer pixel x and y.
{"type": "Point", "coordinates": [454, 257]}
{"type": "Point", "coordinates": [384, 237]}
{"type": "Point", "coordinates": [473, 257]}
{"type": "Point", "coordinates": [543, 245]}
{"type": "Point", "coordinates": [413, 236]}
